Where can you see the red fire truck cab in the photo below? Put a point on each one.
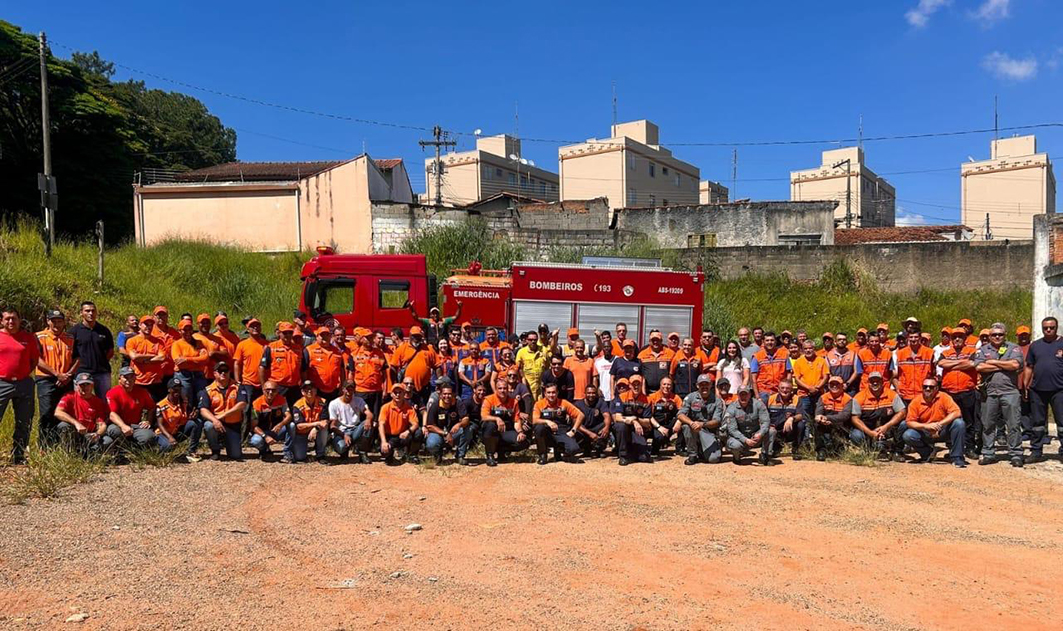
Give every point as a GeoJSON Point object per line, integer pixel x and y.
{"type": "Point", "coordinates": [370, 291]}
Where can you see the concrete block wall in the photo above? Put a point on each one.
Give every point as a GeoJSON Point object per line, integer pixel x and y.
{"type": "Point", "coordinates": [1047, 269]}
{"type": "Point", "coordinates": [898, 267]}
{"type": "Point", "coordinates": [733, 224]}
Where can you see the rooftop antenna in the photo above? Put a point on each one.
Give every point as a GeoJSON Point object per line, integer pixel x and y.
{"type": "Point", "coordinates": [614, 103]}
{"type": "Point", "coordinates": [860, 133]}
{"type": "Point", "coordinates": [734, 173]}
{"type": "Point", "coordinates": [996, 120]}
{"type": "Point", "coordinates": [516, 134]}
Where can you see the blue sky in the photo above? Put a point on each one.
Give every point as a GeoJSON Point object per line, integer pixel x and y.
{"type": "Point", "coordinates": [705, 72]}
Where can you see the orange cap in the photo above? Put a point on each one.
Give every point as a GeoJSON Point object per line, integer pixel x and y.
{"type": "Point", "coordinates": [634, 378]}
{"type": "Point", "coordinates": [253, 321]}
{"type": "Point", "coordinates": [673, 334]}
{"type": "Point", "coordinates": [958, 331]}
{"type": "Point", "coordinates": [203, 316]}
{"type": "Point", "coordinates": [862, 330]}
{"type": "Point", "coordinates": [573, 331]}
{"type": "Point", "coordinates": [416, 330]}
{"type": "Point", "coordinates": [161, 309]}
{"type": "Point", "coordinates": [221, 316]}
{"type": "Point", "coordinates": [629, 342]}
{"type": "Point", "coordinates": [1022, 329]}
{"type": "Point", "coordinates": [186, 322]}
{"type": "Point", "coordinates": [828, 334]}
{"type": "Point", "coordinates": [656, 335]}
{"type": "Point", "coordinates": [983, 332]}
{"type": "Point", "coordinates": [285, 327]}
{"type": "Point", "coordinates": [147, 318]}
{"type": "Point", "coordinates": [322, 329]}
{"type": "Point", "coordinates": [466, 324]}
{"type": "Point", "coordinates": [623, 381]}
{"type": "Point", "coordinates": [882, 326]}
{"type": "Point", "coordinates": [924, 335]}
{"type": "Point", "coordinates": [965, 322]}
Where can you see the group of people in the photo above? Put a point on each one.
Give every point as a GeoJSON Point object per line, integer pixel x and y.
{"type": "Point", "coordinates": [444, 388]}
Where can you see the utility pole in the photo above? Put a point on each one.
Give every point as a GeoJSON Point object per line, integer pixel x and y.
{"type": "Point", "coordinates": [996, 120]}
{"type": "Point", "coordinates": [848, 191]}
{"type": "Point", "coordinates": [614, 104]}
{"type": "Point", "coordinates": [988, 232]}
{"type": "Point", "coordinates": [734, 174]}
{"type": "Point", "coordinates": [47, 183]}
{"type": "Point", "coordinates": [441, 140]}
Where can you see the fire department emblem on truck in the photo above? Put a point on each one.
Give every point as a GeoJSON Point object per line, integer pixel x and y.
{"type": "Point", "coordinates": [628, 290]}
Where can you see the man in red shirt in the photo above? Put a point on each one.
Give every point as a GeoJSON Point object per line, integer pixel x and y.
{"type": "Point", "coordinates": [83, 417]}
{"type": "Point", "coordinates": [19, 354]}
{"type": "Point", "coordinates": [131, 411]}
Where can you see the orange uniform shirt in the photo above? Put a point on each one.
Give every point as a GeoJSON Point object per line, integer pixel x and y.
{"type": "Point", "coordinates": [168, 335]}
{"type": "Point", "coordinates": [213, 344]}
{"type": "Point", "coordinates": [582, 374]}
{"type": "Point", "coordinates": [248, 355]}
{"type": "Point", "coordinates": [810, 372]}
{"type": "Point", "coordinates": [285, 364]}
{"type": "Point", "coordinates": [913, 369]}
{"type": "Point", "coordinates": [711, 358]}
{"type": "Point", "coordinates": [305, 412]}
{"type": "Point", "coordinates": [171, 416]}
{"type": "Point", "coordinates": [219, 399]}
{"type": "Point", "coordinates": [148, 373]}
{"type": "Point", "coordinates": [922, 412]}
{"type": "Point", "coordinates": [493, 353]}
{"type": "Point", "coordinates": [955, 381]}
{"type": "Point", "coordinates": [874, 362]}
{"type": "Point", "coordinates": [562, 407]}
{"type": "Point", "coordinates": [57, 351]}
{"type": "Point", "coordinates": [325, 367]}
{"type": "Point", "coordinates": [397, 419]}
{"type": "Point", "coordinates": [771, 368]}
{"type": "Point", "coordinates": [493, 403]}
{"type": "Point", "coordinates": [649, 355]}
{"type": "Point", "coordinates": [229, 339]}
{"type": "Point", "coordinates": [195, 354]}
{"type": "Point", "coordinates": [419, 365]}
{"type": "Point", "coordinates": [370, 366]}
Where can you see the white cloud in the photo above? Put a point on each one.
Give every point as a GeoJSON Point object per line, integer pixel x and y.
{"type": "Point", "coordinates": [1003, 66]}
{"type": "Point", "coordinates": [905, 218]}
{"type": "Point", "coordinates": [920, 15]}
{"type": "Point", "coordinates": [992, 11]}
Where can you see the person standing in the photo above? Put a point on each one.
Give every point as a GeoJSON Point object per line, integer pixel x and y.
{"type": "Point", "coordinates": [56, 368]}
{"type": "Point", "coordinates": [247, 355]}
{"type": "Point", "coordinates": [191, 359]}
{"type": "Point", "coordinates": [959, 380]}
{"type": "Point", "coordinates": [415, 360]}
{"type": "Point", "coordinates": [733, 366]}
{"type": "Point", "coordinates": [656, 361]}
{"type": "Point", "coordinates": [94, 347]}
{"type": "Point", "coordinates": [324, 365]}
{"type": "Point", "coordinates": [1043, 379]}
{"type": "Point", "coordinates": [915, 363]}
{"type": "Point", "coordinates": [687, 367]}
{"type": "Point", "coordinates": [746, 345]}
{"type": "Point", "coordinates": [603, 367]}
{"type": "Point", "coordinates": [532, 361]}
{"type": "Point", "coordinates": [19, 355]}
{"type": "Point", "coordinates": [842, 363]}
{"type": "Point", "coordinates": [148, 356]}
{"type": "Point", "coordinates": [999, 363]}
{"type": "Point", "coordinates": [131, 330]}
{"type": "Point", "coordinates": [369, 368]}
{"type": "Point", "coordinates": [561, 377]}
{"type": "Point", "coordinates": [769, 366]}
{"type": "Point", "coordinates": [582, 368]}
{"type": "Point", "coordinates": [874, 358]}
{"type": "Point", "coordinates": [282, 363]}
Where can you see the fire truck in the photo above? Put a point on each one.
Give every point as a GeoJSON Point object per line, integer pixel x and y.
{"type": "Point", "coordinates": [373, 290]}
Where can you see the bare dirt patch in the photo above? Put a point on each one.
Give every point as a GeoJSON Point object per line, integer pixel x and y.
{"type": "Point", "coordinates": [802, 545]}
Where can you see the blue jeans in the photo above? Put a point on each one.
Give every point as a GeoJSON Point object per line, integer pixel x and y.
{"type": "Point", "coordinates": [923, 443]}
{"type": "Point", "coordinates": [190, 432]}
{"type": "Point", "coordinates": [356, 434]}
{"type": "Point", "coordinates": [230, 434]}
{"type": "Point", "coordinates": [436, 445]}
{"type": "Point", "coordinates": [21, 394]}
{"type": "Point", "coordinates": [258, 441]}
{"type": "Point", "coordinates": [297, 445]}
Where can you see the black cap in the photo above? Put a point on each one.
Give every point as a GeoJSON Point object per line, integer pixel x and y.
{"type": "Point", "coordinates": [174, 383]}
{"type": "Point", "coordinates": [543, 326]}
{"type": "Point", "coordinates": [444, 381]}
{"type": "Point", "coordinates": [221, 366]}
{"type": "Point", "coordinates": [307, 384]}
{"type": "Point", "coordinates": [55, 313]}
{"type": "Point", "coordinates": [299, 315]}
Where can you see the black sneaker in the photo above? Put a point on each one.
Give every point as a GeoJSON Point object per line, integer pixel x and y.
{"type": "Point", "coordinates": [1016, 462]}
{"type": "Point", "coordinates": [985, 460]}
{"type": "Point", "coordinates": [797, 455]}
{"type": "Point", "coordinates": [1035, 457]}
{"type": "Point", "coordinates": [542, 459]}
{"type": "Point", "coordinates": [363, 457]}
{"type": "Point", "coordinates": [286, 460]}
{"type": "Point", "coordinates": [624, 462]}
{"type": "Point", "coordinates": [215, 456]}
{"type": "Point", "coordinates": [438, 459]}
{"type": "Point", "coordinates": [491, 462]}
{"type": "Point", "coordinates": [462, 461]}
{"type": "Point", "coordinates": [414, 458]}
{"type": "Point", "coordinates": [691, 460]}
{"type": "Point", "coordinates": [645, 459]}
{"type": "Point", "coordinates": [763, 458]}
{"type": "Point", "coordinates": [558, 456]}
{"type": "Point", "coordinates": [971, 454]}
{"type": "Point", "coordinates": [959, 463]}
{"type": "Point", "coordinates": [736, 458]}
{"type": "Point", "coordinates": [821, 455]}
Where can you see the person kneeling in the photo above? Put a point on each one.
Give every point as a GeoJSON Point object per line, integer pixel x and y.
{"type": "Point", "coordinates": [308, 426]}
{"type": "Point", "coordinates": [172, 424]}
{"type": "Point", "coordinates": [222, 413]}
{"type": "Point", "coordinates": [700, 416]}
{"type": "Point", "coordinates": [352, 421]}
{"type": "Point", "coordinates": [877, 413]}
{"type": "Point", "coordinates": [82, 418]}
{"type": "Point", "coordinates": [504, 425]}
{"type": "Point", "coordinates": [399, 429]}
{"type": "Point", "coordinates": [933, 417]}
{"type": "Point", "coordinates": [270, 418]}
{"type": "Point", "coordinates": [446, 426]}
{"type": "Point", "coordinates": [832, 417]}
{"type": "Point", "coordinates": [555, 423]}
{"type": "Point", "coordinates": [747, 426]}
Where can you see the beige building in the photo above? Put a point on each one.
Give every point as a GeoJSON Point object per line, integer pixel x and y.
{"type": "Point", "coordinates": [272, 206]}
{"type": "Point", "coordinates": [630, 168]}
{"type": "Point", "coordinates": [494, 167]}
{"type": "Point", "coordinates": [1008, 189]}
{"type": "Point", "coordinates": [710, 192]}
{"type": "Point", "coordinates": [872, 200]}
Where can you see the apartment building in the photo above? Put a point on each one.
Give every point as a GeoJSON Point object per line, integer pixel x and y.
{"type": "Point", "coordinates": [710, 192]}
{"type": "Point", "coordinates": [630, 168]}
{"type": "Point", "coordinates": [1000, 196]}
{"type": "Point", "coordinates": [494, 167]}
{"type": "Point", "coordinates": [871, 199]}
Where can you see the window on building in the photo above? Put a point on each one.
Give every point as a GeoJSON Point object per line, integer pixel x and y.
{"type": "Point", "coordinates": [664, 202]}
{"type": "Point", "coordinates": [630, 162]}
{"type": "Point", "coordinates": [706, 240]}
{"type": "Point", "coordinates": [542, 188]}
{"type": "Point", "coordinates": [653, 200]}
{"type": "Point", "coordinates": [498, 173]}
{"type": "Point", "coordinates": [653, 170]}
{"type": "Point", "coordinates": [512, 178]}
{"type": "Point", "coordinates": [678, 180]}
{"type": "Point", "coordinates": [394, 294]}
{"type": "Point", "coordinates": [800, 239]}
{"type": "Point", "coordinates": [486, 172]}
{"type": "Point", "coordinates": [664, 170]}
{"type": "Point", "coordinates": [553, 188]}
{"type": "Point", "coordinates": [632, 198]}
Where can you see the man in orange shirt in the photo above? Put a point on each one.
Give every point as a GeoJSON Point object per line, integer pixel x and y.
{"type": "Point", "coordinates": [399, 428]}
{"type": "Point", "coordinates": [968, 327]}
{"type": "Point", "coordinates": [282, 363]}
{"type": "Point", "coordinates": [828, 344]}
{"type": "Point", "coordinates": [324, 365]}
{"type": "Point", "coordinates": [656, 362]}
{"type": "Point", "coordinates": [504, 425]}
{"type": "Point", "coordinates": [860, 342]}
{"type": "Point", "coordinates": [492, 347]}
{"type": "Point", "coordinates": [222, 413]}
{"type": "Point", "coordinates": [934, 416]}
{"type": "Point", "coordinates": [618, 341]}
{"type": "Point", "coordinates": [309, 424]}
{"type": "Point", "coordinates": [416, 360]}
{"type": "Point", "coordinates": [191, 359]}
{"type": "Point", "coordinates": [810, 374]}
{"type": "Point", "coordinates": [874, 358]}
{"type": "Point", "coordinates": [555, 423]}
{"type": "Point", "coordinates": [56, 368]}
{"type": "Point", "coordinates": [222, 331]}
{"type": "Point", "coordinates": [877, 415]}
{"type": "Point", "coordinates": [247, 355]}
{"type": "Point", "coordinates": [959, 380]}
{"type": "Point", "coordinates": [581, 366]}
{"type": "Point", "coordinates": [915, 363]}
{"type": "Point", "coordinates": [687, 365]}
{"type": "Point", "coordinates": [834, 412]}
{"type": "Point", "coordinates": [168, 335]}
{"type": "Point", "coordinates": [770, 365]}
{"type": "Point", "coordinates": [710, 350]}
{"type": "Point", "coordinates": [369, 367]}
{"type": "Point", "coordinates": [149, 356]}
{"type": "Point", "coordinates": [216, 349]}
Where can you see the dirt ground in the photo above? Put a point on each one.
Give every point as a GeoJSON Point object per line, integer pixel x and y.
{"type": "Point", "coordinates": [798, 546]}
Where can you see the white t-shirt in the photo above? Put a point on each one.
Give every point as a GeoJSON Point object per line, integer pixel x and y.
{"type": "Point", "coordinates": [605, 380]}
{"type": "Point", "coordinates": [348, 415]}
{"type": "Point", "coordinates": [734, 373]}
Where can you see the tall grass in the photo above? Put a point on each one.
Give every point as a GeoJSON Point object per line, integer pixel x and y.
{"type": "Point", "coordinates": [454, 246]}
{"type": "Point", "coordinates": [47, 473]}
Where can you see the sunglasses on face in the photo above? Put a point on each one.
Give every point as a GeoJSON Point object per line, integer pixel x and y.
{"type": "Point", "coordinates": [928, 388]}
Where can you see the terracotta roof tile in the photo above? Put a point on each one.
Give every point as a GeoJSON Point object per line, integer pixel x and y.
{"type": "Point", "coordinates": [386, 164]}
{"type": "Point", "coordinates": [895, 234]}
